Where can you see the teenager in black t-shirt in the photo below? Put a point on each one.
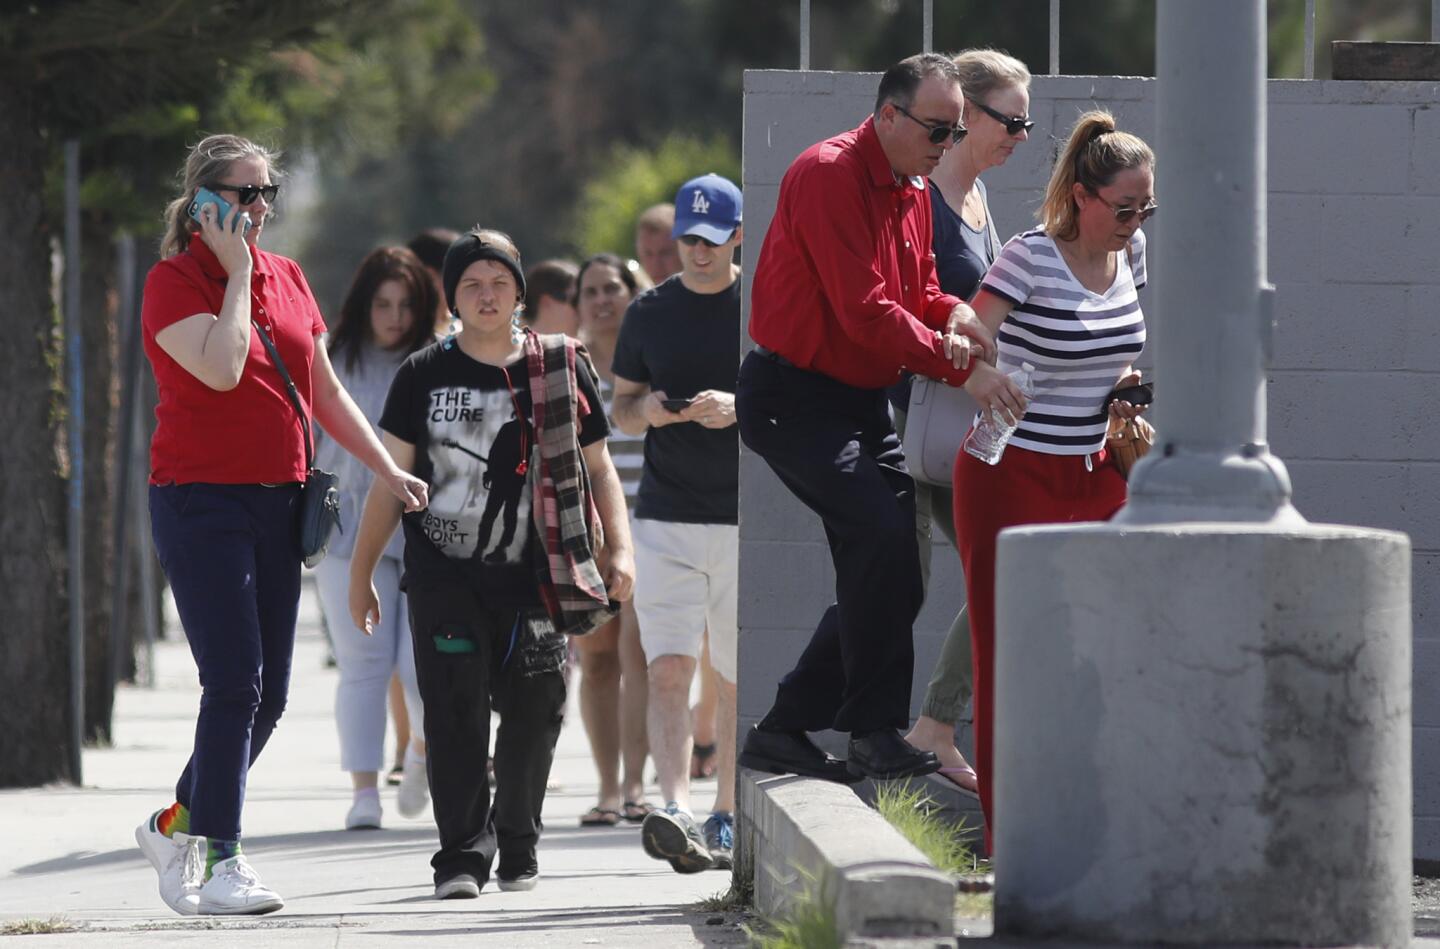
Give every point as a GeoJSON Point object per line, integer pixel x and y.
{"type": "Point", "coordinates": [485, 577]}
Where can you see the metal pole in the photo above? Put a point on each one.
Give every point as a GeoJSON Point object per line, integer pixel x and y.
{"type": "Point", "coordinates": [1054, 37]}
{"type": "Point", "coordinates": [927, 37]}
{"type": "Point", "coordinates": [144, 549]}
{"type": "Point", "coordinates": [804, 34]}
{"type": "Point", "coordinates": [120, 638]}
{"type": "Point", "coordinates": [74, 534]}
{"type": "Point", "coordinates": [1435, 21]}
{"type": "Point", "coordinates": [1212, 299]}
{"type": "Point", "coordinates": [1310, 38]}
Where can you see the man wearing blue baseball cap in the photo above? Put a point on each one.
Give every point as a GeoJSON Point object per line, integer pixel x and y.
{"type": "Point", "coordinates": [674, 366]}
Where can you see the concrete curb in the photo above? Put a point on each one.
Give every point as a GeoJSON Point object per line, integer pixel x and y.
{"type": "Point", "coordinates": [802, 837]}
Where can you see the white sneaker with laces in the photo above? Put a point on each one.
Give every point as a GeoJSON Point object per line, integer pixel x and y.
{"type": "Point", "coordinates": [234, 889]}
{"type": "Point", "coordinates": [414, 791]}
{"type": "Point", "coordinates": [364, 813]}
{"type": "Point", "coordinates": [177, 863]}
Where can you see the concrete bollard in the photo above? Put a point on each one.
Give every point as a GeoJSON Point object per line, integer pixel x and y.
{"type": "Point", "coordinates": [1203, 735]}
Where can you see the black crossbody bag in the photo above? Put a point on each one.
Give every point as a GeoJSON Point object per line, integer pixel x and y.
{"type": "Point", "coordinates": [319, 507]}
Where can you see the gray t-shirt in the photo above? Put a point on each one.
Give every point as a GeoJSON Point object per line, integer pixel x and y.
{"type": "Point", "coordinates": [368, 382]}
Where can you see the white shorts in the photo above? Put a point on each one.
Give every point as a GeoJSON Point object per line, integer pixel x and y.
{"type": "Point", "coordinates": [685, 582]}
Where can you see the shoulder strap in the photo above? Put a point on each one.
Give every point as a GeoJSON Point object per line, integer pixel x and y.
{"type": "Point", "coordinates": [290, 391]}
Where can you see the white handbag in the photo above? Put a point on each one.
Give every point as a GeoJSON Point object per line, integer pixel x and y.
{"type": "Point", "coordinates": [935, 423]}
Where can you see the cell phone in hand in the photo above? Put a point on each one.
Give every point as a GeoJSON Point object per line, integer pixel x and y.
{"type": "Point", "coordinates": [1142, 394]}
{"type": "Point", "coordinates": [222, 207]}
{"type": "Point", "coordinates": [676, 405]}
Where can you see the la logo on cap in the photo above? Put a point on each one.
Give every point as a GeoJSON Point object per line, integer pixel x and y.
{"type": "Point", "coordinates": [699, 205]}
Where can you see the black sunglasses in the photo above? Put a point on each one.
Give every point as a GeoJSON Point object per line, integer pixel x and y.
{"type": "Point", "coordinates": [693, 240]}
{"type": "Point", "coordinates": [1014, 124]}
{"type": "Point", "coordinates": [1124, 212]}
{"type": "Point", "coordinates": [938, 133]}
{"type": "Point", "coordinates": [246, 194]}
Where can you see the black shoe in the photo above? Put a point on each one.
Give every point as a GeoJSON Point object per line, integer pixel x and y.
{"type": "Point", "coordinates": [885, 755]}
{"type": "Point", "coordinates": [791, 753]}
{"type": "Point", "coordinates": [520, 873]}
{"type": "Point", "coordinates": [672, 835]}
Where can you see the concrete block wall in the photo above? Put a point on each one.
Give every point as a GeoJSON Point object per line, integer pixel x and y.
{"type": "Point", "coordinates": [1354, 252]}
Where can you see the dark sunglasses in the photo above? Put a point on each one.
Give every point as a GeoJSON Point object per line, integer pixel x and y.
{"type": "Point", "coordinates": [938, 133]}
{"type": "Point", "coordinates": [246, 194]}
{"type": "Point", "coordinates": [1124, 212]}
{"type": "Point", "coordinates": [1014, 124]}
{"type": "Point", "coordinates": [695, 240]}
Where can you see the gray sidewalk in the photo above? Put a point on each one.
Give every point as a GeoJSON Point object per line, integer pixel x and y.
{"type": "Point", "coordinates": [70, 852]}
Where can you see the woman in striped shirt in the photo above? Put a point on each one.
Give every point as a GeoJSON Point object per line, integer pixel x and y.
{"type": "Point", "coordinates": [1062, 298]}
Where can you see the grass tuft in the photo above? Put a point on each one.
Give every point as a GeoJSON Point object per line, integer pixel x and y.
{"type": "Point", "coordinates": [36, 927]}
{"type": "Point", "coordinates": [735, 899]}
{"type": "Point", "coordinates": [912, 811]}
{"type": "Point", "coordinates": [808, 925]}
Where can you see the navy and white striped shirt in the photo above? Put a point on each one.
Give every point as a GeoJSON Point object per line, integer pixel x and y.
{"type": "Point", "coordinates": [1079, 341]}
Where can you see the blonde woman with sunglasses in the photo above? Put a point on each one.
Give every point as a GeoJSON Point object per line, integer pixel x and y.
{"type": "Point", "coordinates": [1062, 297]}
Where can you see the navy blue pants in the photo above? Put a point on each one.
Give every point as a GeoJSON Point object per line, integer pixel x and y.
{"type": "Point", "coordinates": [835, 448]}
{"type": "Point", "coordinates": [230, 555]}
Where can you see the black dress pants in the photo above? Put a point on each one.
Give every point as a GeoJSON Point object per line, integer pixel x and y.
{"type": "Point", "coordinates": [835, 448]}
{"type": "Point", "coordinates": [469, 659]}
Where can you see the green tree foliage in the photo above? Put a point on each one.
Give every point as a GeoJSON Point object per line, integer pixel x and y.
{"type": "Point", "coordinates": [635, 178]}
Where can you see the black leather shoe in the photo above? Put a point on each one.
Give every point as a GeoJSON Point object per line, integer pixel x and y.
{"type": "Point", "coordinates": [885, 755]}
{"type": "Point", "coordinates": [791, 753]}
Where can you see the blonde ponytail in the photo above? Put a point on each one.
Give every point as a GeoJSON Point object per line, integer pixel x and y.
{"type": "Point", "coordinates": [1094, 154]}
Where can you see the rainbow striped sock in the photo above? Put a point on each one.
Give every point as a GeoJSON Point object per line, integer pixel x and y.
{"type": "Point", "coordinates": [217, 850]}
{"type": "Point", "coordinates": [173, 818]}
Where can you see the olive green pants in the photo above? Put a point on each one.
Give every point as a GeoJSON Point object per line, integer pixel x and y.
{"type": "Point", "coordinates": [951, 683]}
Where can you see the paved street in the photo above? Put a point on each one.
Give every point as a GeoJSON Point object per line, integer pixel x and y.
{"type": "Point", "coordinates": [71, 853]}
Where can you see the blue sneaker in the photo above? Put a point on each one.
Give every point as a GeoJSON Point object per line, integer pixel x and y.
{"type": "Point", "coordinates": [720, 838]}
{"type": "Point", "coordinates": [671, 835]}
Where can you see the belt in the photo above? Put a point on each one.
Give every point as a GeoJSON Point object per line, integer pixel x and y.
{"type": "Point", "coordinates": [774, 357]}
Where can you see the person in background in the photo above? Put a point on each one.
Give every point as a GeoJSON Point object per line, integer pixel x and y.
{"type": "Point", "coordinates": [843, 301]}
{"type": "Point", "coordinates": [613, 682]}
{"type": "Point", "coordinates": [430, 246]}
{"type": "Point", "coordinates": [507, 427]}
{"type": "Point", "coordinates": [226, 465]}
{"type": "Point", "coordinates": [550, 297]}
{"type": "Point", "coordinates": [674, 368]}
{"type": "Point", "coordinates": [384, 318]}
{"type": "Point", "coordinates": [997, 106]}
{"type": "Point", "coordinates": [1065, 296]}
{"type": "Point", "coordinates": [654, 247]}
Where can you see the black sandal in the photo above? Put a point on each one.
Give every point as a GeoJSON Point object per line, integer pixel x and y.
{"type": "Point", "coordinates": [703, 763]}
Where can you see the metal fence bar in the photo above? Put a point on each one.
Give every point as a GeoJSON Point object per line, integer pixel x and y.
{"type": "Point", "coordinates": [1054, 37]}
{"type": "Point", "coordinates": [804, 34]}
{"type": "Point", "coordinates": [928, 30]}
{"type": "Point", "coordinates": [75, 424]}
{"type": "Point", "coordinates": [1310, 38]}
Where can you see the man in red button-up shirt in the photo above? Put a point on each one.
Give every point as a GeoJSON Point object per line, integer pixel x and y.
{"type": "Point", "coordinates": [843, 301]}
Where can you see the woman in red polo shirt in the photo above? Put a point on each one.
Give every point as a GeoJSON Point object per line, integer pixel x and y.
{"type": "Point", "coordinates": [226, 464]}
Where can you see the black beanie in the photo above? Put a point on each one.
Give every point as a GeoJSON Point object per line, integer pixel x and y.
{"type": "Point", "coordinates": [467, 249]}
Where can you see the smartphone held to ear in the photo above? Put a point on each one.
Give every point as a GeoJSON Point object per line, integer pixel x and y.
{"type": "Point", "coordinates": [222, 208]}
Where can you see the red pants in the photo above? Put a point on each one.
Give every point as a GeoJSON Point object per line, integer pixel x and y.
{"type": "Point", "coordinates": [1026, 487]}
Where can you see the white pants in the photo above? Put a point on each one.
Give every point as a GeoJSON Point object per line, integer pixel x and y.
{"type": "Point", "coordinates": [685, 582]}
{"type": "Point", "coordinates": [366, 662]}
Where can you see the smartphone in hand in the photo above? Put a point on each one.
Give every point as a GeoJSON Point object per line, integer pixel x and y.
{"type": "Point", "coordinates": [222, 208]}
{"type": "Point", "coordinates": [676, 405]}
{"type": "Point", "coordinates": [1142, 394]}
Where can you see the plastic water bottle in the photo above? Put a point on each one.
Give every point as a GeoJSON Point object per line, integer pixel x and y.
{"type": "Point", "coordinates": [987, 439]}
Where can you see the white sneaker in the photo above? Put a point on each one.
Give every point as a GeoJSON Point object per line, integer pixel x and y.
{"type": "Point", "coordinates": [234, 889]}
{"type": "Point", "coordinates": [414, 791]}
{"type": "Point", "coordinates": [364, 813]}
{"type": "Point", "coordinates": [177, 863]}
